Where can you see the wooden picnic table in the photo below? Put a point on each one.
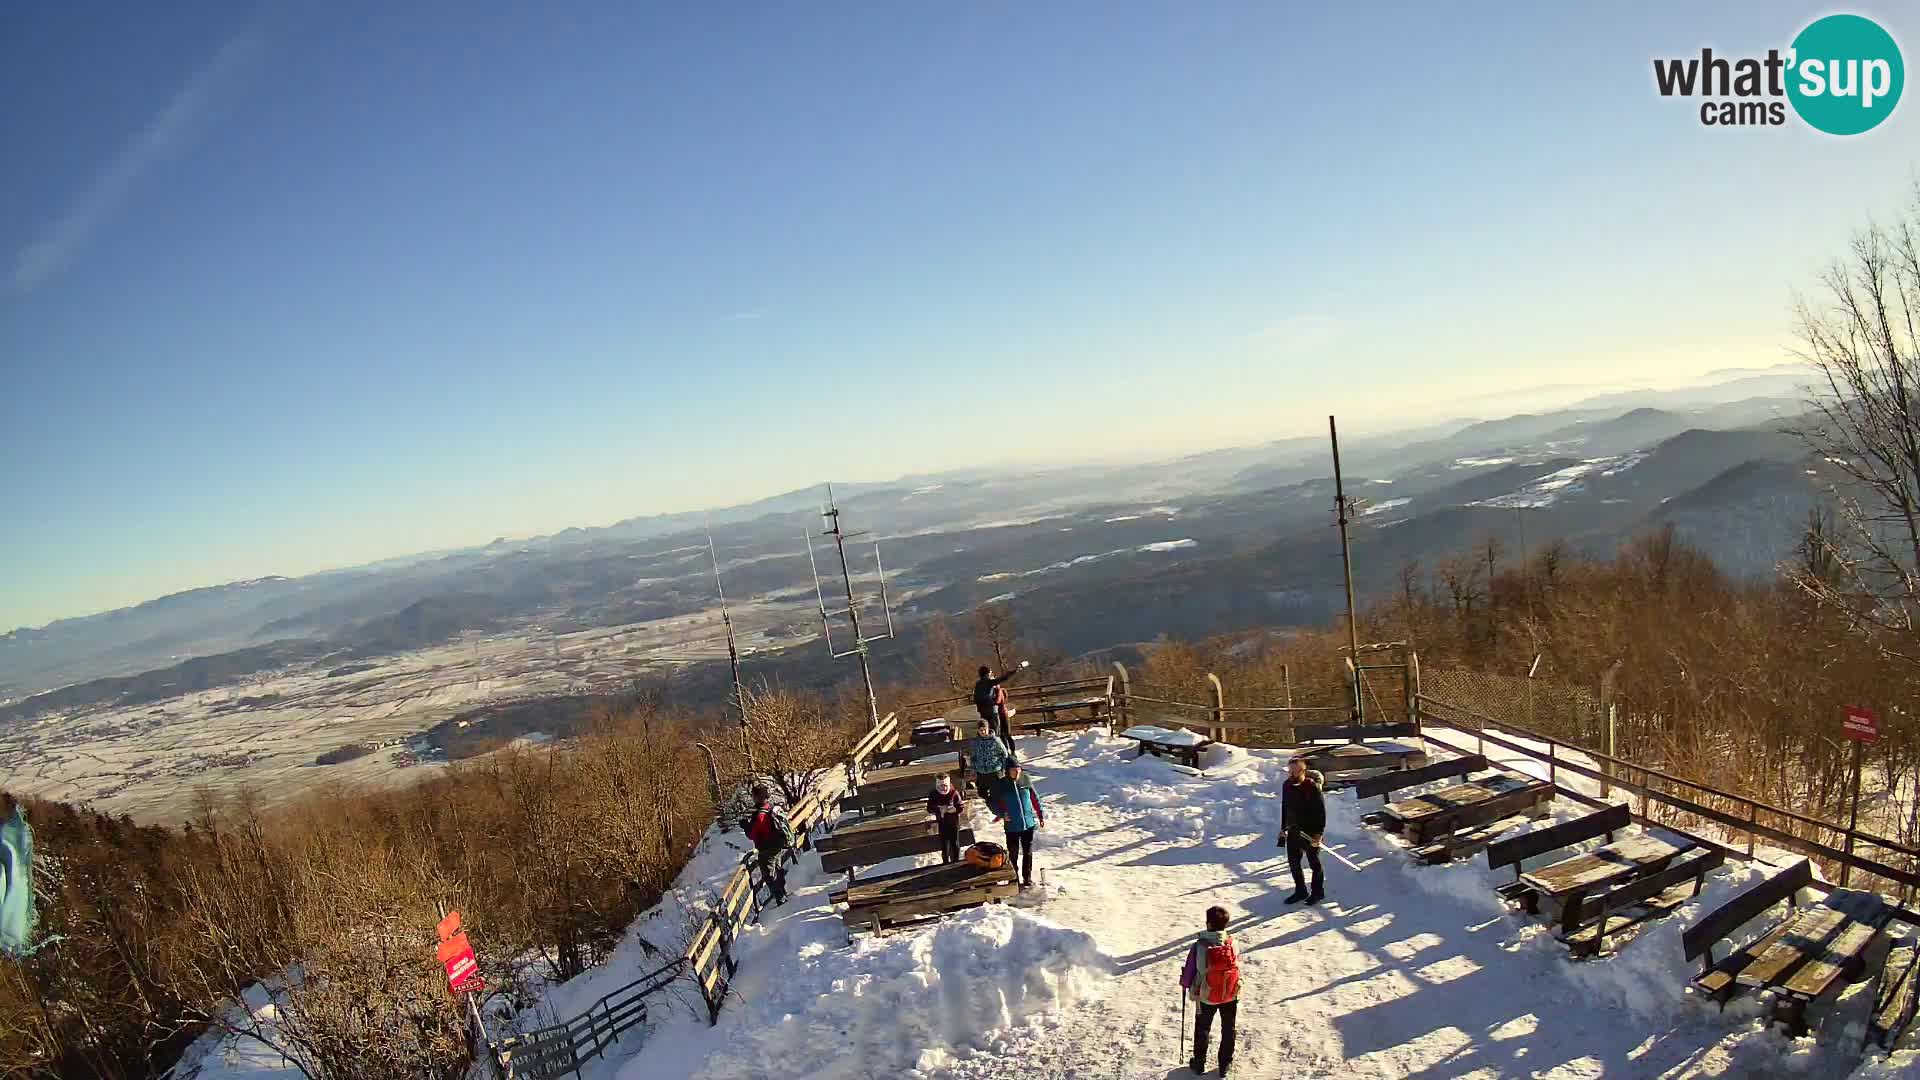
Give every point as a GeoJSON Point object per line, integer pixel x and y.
{"type": "Point", "coordinates": [1615, 863]}
{"type": "Point", "coordinates": [1178, 743]}
{"type": "Point", "coordinates": [903, 783]}
{"type": "Point", "coordinates": [1475, 802]}
{"type": "Point", "coordinates": [897, 899]}
{"type": "Point", "coordinates": [1336, 761]}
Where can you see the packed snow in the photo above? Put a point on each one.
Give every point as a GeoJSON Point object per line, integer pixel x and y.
{"type": "Point", "coordinates": [1406, 971]}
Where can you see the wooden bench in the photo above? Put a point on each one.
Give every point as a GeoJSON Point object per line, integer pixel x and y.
{"type": "Point", "coordinates": [1586, 920]}
{"type": "Point", "coordinates": [1718, 981]}
{"type": "Point", "coordinates": [1179, 744]}
{"type": "Point", "coordinates": [894, 901]}
{"type": "Point", "coordinates": [937, 730]}
{"type": "Point", "coordinates": [1893, 999]}
{"type": "Point", "coordinates": [1818, 950]}
{"type": "Point", "coordinates": [1096, 711]}
{"type": "Point", "coordinates": [1438, 770]}
{"type": "Point", "coordinates": [1425, 818]}
{"type": "Point", "coordinates": [1515, 851]}
{"type": "Point", "coordinates": [856, 830]}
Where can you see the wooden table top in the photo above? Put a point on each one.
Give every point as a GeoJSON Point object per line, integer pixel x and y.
{"type": "Point", "coordinates": [883, 822]}
{"type": "Point", "coordinates": [1452, 798]}
{"type": "Point", "coordinates": [940, 877]}
{"type": "Point", "coordinates": [925, 769]}
{"type": "Point", "coordinates": [1601, 866]}
{"type": "Point", "coordinates": [1804, 934]}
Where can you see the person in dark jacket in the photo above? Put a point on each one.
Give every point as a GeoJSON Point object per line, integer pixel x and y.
{"type": "Point", "coordinates": [990, 699]}
{"type": "Point", "coordinates": [944, 804]}
{"type": "Point", "coordinates": [1303, 825]}
{"type": "Point", "coordinates": [1018, 805]}
{"type": "Point", "coordinates": [1212, 978]}
{"type": "Point", "coordinates": [771, 836]}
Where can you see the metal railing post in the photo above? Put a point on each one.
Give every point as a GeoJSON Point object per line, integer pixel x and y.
{"type": "Point", "coordinates": [1219, 724]}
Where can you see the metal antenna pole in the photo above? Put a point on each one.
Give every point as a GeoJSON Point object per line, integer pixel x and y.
{"type": "Point", "coordinates": [726, 620]}
{"type": "Point", "coordinates": [832, 514]}
{"type": "Point", "coordinates": [1346, 563]}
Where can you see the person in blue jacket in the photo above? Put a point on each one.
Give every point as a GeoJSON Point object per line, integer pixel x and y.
{"type": "Point", "coordinates": [988, 756]}
{"type": "Point", "coordinates": [1016, 804]}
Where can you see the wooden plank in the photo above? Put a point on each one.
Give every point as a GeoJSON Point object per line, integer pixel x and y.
{"type": "Point", "coordinates": [927, 842]}
{"type": "Point", "coordinates": [1842, 954]}
{"type": "Point", "coordinates": [1311, 733]}
{"type": "Point", "coordinates": [1448, 798]}
{"type": "Point", "coordinates": [1354, 757]}
{"type": "Point", "coordinates": [1602, 866]}
{"type": "Point", "coordinates": [1526, 799]}
{"type": "Point", "coordinates": [1723, 980]}
{"type": "Point", "coordinates": [1742, 909]}
{"type": "Point", "coordinates": [917, 752]}
{"type": "Point", "coordinates": [920, 907]}
{"type": "Point", "coordinates": [920, 881]}
{"type": "Point", "coordinates": [875, 828]}
{"type": "Point", "coordinates": [1805, 934]}
{"type": "Point", "coordinates": [1893, 1004]}
{"type": "Point", "coordinates": [1439, 770]}
{"type": "Point", "coordinates": [1447, 848]}
{"type": "Point", "coordinates": [1554, 837]}
{"type": "Point", "coordinates": [1644, 889]}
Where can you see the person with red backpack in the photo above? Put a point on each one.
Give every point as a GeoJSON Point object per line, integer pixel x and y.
{"type": "Point", "coordinates": [1212, 978]}
{"type": "Point", "coordinates": [772, 836]}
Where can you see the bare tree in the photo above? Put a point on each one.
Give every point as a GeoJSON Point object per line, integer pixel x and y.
{"type": "Point", "coordinates": [1862, 337]}
{"type": "Point", "coordinates": [995, 624]}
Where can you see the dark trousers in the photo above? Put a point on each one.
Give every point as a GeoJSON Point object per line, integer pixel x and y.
{"type": "Point", "coordinates": [949, 838]}
{"type": "Point", "coordinates": [1020, 851]}
{"type": "Point", "coordinates": [1203, 1024]}
{"type": "Point", "coordinates": [1297, 846]}
{"type": "Point", "coordinates": [773, 870]}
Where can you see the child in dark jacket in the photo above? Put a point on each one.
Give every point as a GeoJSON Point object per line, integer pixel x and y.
{"type": "Point", "coordinates": [1212, 978]}
{"type": "Point", "coordinates": [944, 804]}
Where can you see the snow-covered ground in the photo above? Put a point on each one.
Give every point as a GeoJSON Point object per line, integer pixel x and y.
{"type": "Point", "coordinates": [1408, 971]}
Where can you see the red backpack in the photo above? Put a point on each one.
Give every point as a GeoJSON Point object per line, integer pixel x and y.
{"type": "Point", "coordinates": [760, 828]}
{"type": "Point", "coordinates": [1220, 972]}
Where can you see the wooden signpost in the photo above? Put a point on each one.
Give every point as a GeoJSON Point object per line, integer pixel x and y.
{"type": "Point", "coordinates": [1863, 727]}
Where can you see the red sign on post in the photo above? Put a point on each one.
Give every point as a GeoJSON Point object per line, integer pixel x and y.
{"type": "Point", "coordinates": [1859, 724]}
{"type": "Point", "coordinates": [463, 971]}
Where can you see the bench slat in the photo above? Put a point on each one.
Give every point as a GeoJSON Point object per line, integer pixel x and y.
{"type": "Point", "coordinates": [1439, 770]}
{"type": "Point", "coordinates": [1309, 733]}
{"type": "Point", "coordinates": [1742, 909]}
{"type": "Point", "coordinates": [1511, 852]}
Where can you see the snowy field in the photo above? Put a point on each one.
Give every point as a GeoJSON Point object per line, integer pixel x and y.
{"type": "Point", "coordinates": [1408, 971]}
{"type": "Point", "coordinates": [265, 732]}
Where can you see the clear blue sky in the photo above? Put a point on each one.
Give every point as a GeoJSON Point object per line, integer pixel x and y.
{"type": "Point", "coordinates": [284, 288]}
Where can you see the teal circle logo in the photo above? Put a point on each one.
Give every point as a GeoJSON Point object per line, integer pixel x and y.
{"type": "Point", "coordinates": [1845, 74]}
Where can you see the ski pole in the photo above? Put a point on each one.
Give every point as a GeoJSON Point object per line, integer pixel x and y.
{"type": "Point", "coordinates": [1343, 859]}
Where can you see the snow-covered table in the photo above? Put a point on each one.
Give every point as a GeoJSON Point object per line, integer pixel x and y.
{"type": "Point", "coordinates": [1344, 762]}
{"type": "Point", "coordinates": [1476, 802]}
{"type": "Point", "coordinates": [1178, 743]}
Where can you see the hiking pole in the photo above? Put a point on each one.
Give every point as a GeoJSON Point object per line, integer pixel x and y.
{"type": "Point", "coordinates": [1348, 863]}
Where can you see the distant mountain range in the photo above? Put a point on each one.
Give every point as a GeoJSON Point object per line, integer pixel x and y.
{"type": "Point", "coordinates": [1202, 542]}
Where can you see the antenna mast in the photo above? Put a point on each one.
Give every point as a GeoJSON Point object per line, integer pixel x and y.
{"type": "Point", "coordinates": [830, 515]}
{"type": "Point", "coordinates": [1341, 507]}
{"type": "Point", "coordinates": [726, 620]}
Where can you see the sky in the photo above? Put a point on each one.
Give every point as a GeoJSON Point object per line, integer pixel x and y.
{"type": "Point", "coordinates": [292, 287]}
